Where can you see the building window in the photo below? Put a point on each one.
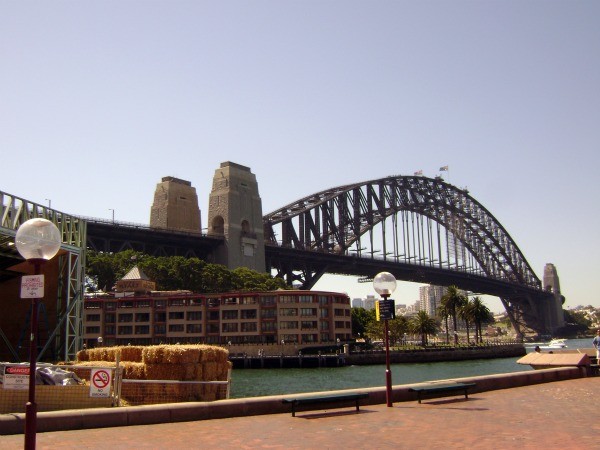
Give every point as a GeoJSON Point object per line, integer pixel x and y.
{"type": "Point", "coordinates": [230, 315]}
{"type": "Point", "coordinates": [288, 312]}
{"type": "Point", "coordinates": [142, 329]}
{"type": "Point", "coordinates": [324, 325]}
{"type": "Point", "coordinates": [109, 330]}
{"type": "Point", "coordinates": [213, 315]}
{"type": "Point", "coordinates": [248, 301]}
{"type": "Point", "coordinates": [248, 314]}
{"type": "Point", "coordinates": [196, 302]}
{"type": "Point", "coordinates": [249, 327]}
{"type": "Point", "coordinates": [229, 327]}
{"type": "Point", "coordinates": [267, 326]}
{"type": "Point", "coordinates": [193, 328]}
{"type": "Point", "coordinates": [323, 300]}
{"type": "Point", "coordinates": [324, 312]}
{"type": "Point", "coordinates": [160, 316]}
{"type": "Point", "coordinates": [176, 315]}
{"type": "Point", "coordinates": [306, 299]}
{"type": "Point", "coordinates": [267, 300]}
{"type": "Point", "coordinates": [308, 312]}
{"type": "Point", "coordinates": [110, 306]}
{"type": "Point", "coordinates": [338, 312]}
{"type": "Point", "coordinates": [177, 302]}
{"type": "Point", "coordinates": [212, 328]}
{"type": "Point", "coordinates": [92, 330]}
{"type": "Point", "coordinates": [268, 313]}
{"type": "Point", "coordinates": [93, 305]}
{"type": "Point", "coordinates": [142, 317]}
{"type": "Point", "coordinates": [92, 317]}
{"type": "Point", "coordinates": [160, 304]}
{"type": "Point", "coordinates": [309, 325]}
{"type": "Point", "coordinates": [160, 329]}
{"type": "Point", "coordinates": [125, 330]}
{"type": "Point", "coordinates": [176, 328]}
{"type": "Point", "coordinates": [194, 315]}
{"type": "Point", "coordinates": [213, 302]}
{"type": "Point", "coordinates": [287, 299]}
{"type": "Point", "coordinates": [123, 318]}
{"type": "Point", "coordinates": [287, 325]}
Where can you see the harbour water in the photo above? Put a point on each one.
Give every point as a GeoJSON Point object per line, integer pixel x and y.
{"type": "Point", "coordinates": [261, 382]}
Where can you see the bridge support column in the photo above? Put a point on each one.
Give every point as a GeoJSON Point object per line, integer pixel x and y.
{"type": "Point", "coordinates": [235, 212]}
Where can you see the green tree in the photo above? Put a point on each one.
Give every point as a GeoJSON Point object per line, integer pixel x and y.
{"type": "Point", "coordinates": [361, 318]}
{"type": "Point", "coordinates": [397, 327]}
{"type": "Point", "coordinates": [465, 312]}
{"type": "Point", "coordinates": [452, 301]}
{"type": "Point", "coordinates": [443, 314]}
{"type": "Point", "coordinates": [481, 314]}
{"type": "Point", "coordinates": [423, 325]}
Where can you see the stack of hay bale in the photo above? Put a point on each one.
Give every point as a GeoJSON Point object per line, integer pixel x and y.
{"type": "Point", "coordinates": [165, 362]}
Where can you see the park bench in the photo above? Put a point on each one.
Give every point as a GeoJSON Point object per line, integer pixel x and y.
{"type": "Point", "coordinates": [441, 389]}
{"type": "Point", "coordinates": [342, 399]}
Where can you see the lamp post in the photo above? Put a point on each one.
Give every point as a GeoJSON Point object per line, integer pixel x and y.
{"type": "Point", "coordinates": [100, 340]}
{"type": "Point", "coordinates": [384, 284]}
{"type": "Point", "coordinates": [113, 214]}
{"type": "Point", "coordinates": [37, 240]}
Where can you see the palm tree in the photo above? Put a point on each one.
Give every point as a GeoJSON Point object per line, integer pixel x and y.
{"type": "Point", "coordinates": [481, 314]}
{"type": "Point", "coordinates": [465, 311]}
{"type": "Point", "coordinates": [424, 325]}
{"type": "Point", "coordinates": [443, 314]}
{"type": "Point", "coordinates": [451, 301]}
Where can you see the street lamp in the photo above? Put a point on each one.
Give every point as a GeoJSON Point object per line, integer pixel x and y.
{"type": "Point", "coordinates": [37, 240]}
{"type": "Point", "coordinates": [113, 214]}
{"type": "Point", "coordinates": [100, 340]}
{"type": "Point", "coordinates": [384, 284]}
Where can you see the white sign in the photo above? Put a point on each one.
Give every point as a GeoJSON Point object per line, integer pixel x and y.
{"type": "Point", "coordinates": [100, 382]}
{"type": "Point", "coordinates": [16, 378]}
{"type": "Point", "coordinates": [32, 286]}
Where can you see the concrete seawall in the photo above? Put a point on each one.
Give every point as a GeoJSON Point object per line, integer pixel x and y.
{"type": "Point", "coordinates": [181, 412]}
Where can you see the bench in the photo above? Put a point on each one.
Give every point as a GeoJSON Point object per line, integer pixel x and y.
{"type": "Point", "coordinates": [437, 389]}
{"type": "Point", "coordinates": [322, 399]}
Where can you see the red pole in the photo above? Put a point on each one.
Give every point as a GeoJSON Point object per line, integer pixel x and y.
{"type": "Point", "coordinates": [31, 405]}
{"type": "Point", "coordinates": [388, 372]}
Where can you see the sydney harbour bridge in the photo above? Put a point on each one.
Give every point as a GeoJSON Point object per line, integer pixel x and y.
{"type": "Point", "coordinates": [420, 229]}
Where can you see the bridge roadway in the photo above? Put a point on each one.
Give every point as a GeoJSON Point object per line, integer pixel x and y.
{"type": "Point", "coordinates": [117, 236]}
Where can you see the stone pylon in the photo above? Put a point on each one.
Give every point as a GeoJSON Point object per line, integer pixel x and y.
{"type": "Point", "coordinates": [175, 206]}
{"type": "Point", "coordinates": [552, 284]}
{"type": "Point", "coordinates": [235, 212]}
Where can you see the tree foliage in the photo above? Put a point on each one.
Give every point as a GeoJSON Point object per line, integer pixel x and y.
{"type": "Point", "coordinates": [424, 325]}
{"type": "Point", "coordinates": [176, 273]}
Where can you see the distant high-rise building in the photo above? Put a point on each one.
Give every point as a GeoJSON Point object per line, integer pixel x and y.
{"type": "Point", "coordinates": [357, 303]}
{"type": "Point", "coordinates": [369, 302]}
{"type": "Point", "coordinates": [430, 297]}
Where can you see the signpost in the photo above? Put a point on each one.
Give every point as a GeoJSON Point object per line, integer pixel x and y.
{"type": "Point", "coordinates": [16, 378]}
{"type": "Point", "coordinates": [100, 383]}
{"type": "Point", "coordinates": [32, 286]}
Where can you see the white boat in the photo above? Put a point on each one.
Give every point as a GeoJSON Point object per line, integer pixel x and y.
{"type": "Point", "coordinates": [557, 343]}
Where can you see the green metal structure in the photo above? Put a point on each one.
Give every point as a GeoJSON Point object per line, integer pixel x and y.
{"type": "Point", "coordinates": [64, 339]}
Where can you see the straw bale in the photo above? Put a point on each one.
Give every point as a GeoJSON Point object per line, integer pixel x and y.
{"type": "Point", "coordinates": [154, 354]}
{"type": "Point", "coordinates": [82, 355]}
{"type": "Point", "coordinates": [134, 370]}
{"type": "Point", "coordinates": [190, 371]}
{"type": "Point", "coordinates": [164, 372]}
{"type": "Point", "coordinates": [209, 371]}
{"type": "Point", "coordinates": [132, 353]}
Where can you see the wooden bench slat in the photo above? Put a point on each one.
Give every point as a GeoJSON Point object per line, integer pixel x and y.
{"type": "Point", "coordinates": [432, 389]}
{"type": "Point", "coordinates": [315, 400]}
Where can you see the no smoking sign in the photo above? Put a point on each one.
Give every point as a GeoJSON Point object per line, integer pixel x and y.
{"type": "Point", "coordinates": [100, 383]}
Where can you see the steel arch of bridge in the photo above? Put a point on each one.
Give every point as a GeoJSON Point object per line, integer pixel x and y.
{"type": "Point", "coordinates": [407, 221]}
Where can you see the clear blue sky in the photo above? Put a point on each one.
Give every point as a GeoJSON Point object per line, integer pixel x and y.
{"type": "Point", "coordinates": [100, 100]}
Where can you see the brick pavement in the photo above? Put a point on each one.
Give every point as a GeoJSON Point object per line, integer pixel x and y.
{"type": "Point", "coordinates": [557, 415]}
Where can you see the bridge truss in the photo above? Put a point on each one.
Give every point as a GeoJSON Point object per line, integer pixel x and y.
{"type": "Point", "coordinates": [421, 229]}
{"type": "Point", "coordinates": [63, 338]}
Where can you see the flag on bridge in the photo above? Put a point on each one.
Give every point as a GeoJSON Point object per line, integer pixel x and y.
{"type": "Point", "coordinates": [444, 169]}
{"type": "Point", "coordinates": [419, 172]}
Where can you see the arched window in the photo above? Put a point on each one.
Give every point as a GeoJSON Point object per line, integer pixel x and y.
{"type": "Point", "coordinates": [218, 225]}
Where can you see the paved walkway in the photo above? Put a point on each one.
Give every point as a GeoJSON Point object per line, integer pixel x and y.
{"type": "Point", "coordinates": [557, 415]}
